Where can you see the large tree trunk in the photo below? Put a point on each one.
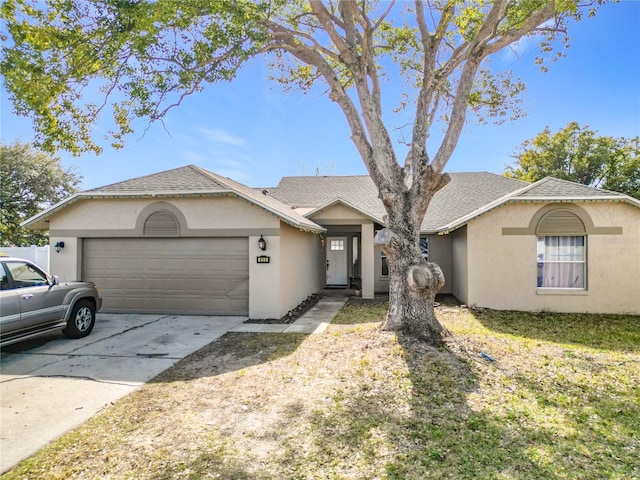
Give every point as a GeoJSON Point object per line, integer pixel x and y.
{"type": "Point", "coordinates": [413, 282]}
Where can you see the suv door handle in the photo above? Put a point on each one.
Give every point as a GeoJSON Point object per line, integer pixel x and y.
{"type": "Point", "coordinates": [27, 296]}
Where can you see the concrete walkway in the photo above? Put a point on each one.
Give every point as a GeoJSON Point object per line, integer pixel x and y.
{"type": "Point", "coordinates": [314, 321]}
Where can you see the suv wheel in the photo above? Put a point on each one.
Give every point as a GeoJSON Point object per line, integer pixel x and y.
{"type": "Point", "coordinates": [81, 321]}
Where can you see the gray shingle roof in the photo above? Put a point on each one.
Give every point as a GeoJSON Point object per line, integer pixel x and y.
{"type": "Point", "coordinates": [465, 193]}
{"type": "Point", "coordinates": [555, 188]}
{"type": "Point", "coordinates": [183, 179]}
{"type": "Point", "coordinates": [466, 196]}
{"type": "Point", "coordinates": [316, 192]}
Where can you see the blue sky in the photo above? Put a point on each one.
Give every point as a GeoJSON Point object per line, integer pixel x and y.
{"type": "Point", "coordinates": [254, 133]}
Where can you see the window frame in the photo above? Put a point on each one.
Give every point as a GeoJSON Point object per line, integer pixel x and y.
{"type": "Point", "coordinates": [541, 262]}
{"type": "Point", "coordinates": [384, 265]}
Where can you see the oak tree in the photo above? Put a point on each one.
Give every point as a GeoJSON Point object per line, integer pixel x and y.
{"type": "Point", "coordinates": [580, 155]}
{"type": "Point", "coordinates": [145, 57]}
{"type": "Point", "coordinates": [31, 181]}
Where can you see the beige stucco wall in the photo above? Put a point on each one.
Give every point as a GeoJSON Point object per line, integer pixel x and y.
{"type": "Point", "coordinates": [66, 264]}
{"type": "Point", "coordinates": [339, 212]}
{"type": "Point", "coordinates": [459, 282]}
{"type": "Point", "coordinates": [301, 261]}
{"type": "Point", "coordinates": [502, 269]}
{"type": "Point", "coordinates": [264, 287]}
{"type": "Point", "coordinates": [367, 260]}
{"type": "Point", "coordinates": [199, 213]}
{"type": "Point", "coordinates": [440, 253]}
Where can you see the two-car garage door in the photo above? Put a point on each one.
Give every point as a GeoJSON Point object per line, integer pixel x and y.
{"type": "Point", "coordinates": [204, 276]}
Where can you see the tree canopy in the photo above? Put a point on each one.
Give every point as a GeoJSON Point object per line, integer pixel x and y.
{"type": "Point", "coordinates": [66, 62]}
{"type": "Point", "coordinates": [31, 182]}
{"type": "Point", "coordinates": [579, 154]}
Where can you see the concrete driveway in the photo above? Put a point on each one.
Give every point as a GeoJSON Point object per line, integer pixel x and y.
{"type": "Point", "coordinates": [51, 384]}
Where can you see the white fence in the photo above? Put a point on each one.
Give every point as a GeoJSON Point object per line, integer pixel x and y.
{"type": "Point", "coordinates": [38, 255]}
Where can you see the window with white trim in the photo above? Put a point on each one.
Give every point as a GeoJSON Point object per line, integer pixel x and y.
{"type": "Point", "coordinates": [561, 251]}
{"type": "Point", "coordinates": [562, 261]}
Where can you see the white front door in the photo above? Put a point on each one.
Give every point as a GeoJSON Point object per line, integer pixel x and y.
{"type": "Point", "coordinates": [336, 260]}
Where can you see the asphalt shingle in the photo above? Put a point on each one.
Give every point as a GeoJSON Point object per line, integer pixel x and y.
{"type": "Point", "coordinates": [465, 193]}
{"type": "Point", "coordinates": [183, 179]}
{"type": "Point", "coordinates": [556, 188]}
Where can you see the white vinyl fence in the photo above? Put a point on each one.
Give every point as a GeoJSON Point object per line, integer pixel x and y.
{"type": "Point", "coordinates": [38, 255]}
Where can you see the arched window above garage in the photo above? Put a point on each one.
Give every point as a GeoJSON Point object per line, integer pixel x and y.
{"type": "Point", "coordinates": [161, 224]}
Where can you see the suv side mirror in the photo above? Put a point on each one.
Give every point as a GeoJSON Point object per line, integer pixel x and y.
{"type": "Point", "coordinates": [54, 280]}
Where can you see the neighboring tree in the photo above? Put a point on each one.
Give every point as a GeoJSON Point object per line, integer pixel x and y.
{"type": "Point", "coordinates": [145, 57]}
{"type": "Point", "coordinates": [30, 182]}
{"type": "Point", "coordinates": [578, 154]}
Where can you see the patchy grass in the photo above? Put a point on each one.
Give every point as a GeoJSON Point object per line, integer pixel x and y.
{"type": "Point", "coordinates": [561, 400]}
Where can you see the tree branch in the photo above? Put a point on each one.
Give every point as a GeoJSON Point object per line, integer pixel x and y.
{"type": "Point", "coordinates": [287, 41]}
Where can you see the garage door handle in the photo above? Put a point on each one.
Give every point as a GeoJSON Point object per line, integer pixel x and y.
{"type": "Point", "coordinates": [27, 296]}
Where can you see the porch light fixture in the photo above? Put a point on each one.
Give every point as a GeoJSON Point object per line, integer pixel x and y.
{"type": "Point", "coordinates": [262, 243]}
{"type": "Point", "coordinates": [59, 246]}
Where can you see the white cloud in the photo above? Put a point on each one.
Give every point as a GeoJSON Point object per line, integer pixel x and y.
{"type": "Point", "coordinates": [220, 136]}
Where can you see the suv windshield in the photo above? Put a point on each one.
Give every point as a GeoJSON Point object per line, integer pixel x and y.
{"type": "Point", "coordinates": [26, 275]}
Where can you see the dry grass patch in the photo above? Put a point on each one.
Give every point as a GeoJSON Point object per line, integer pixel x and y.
{"type": "Point", "coordinates": [358, 403]}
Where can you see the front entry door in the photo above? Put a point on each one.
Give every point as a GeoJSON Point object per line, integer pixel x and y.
{"type": "Point", "coordinates": [336, 261]}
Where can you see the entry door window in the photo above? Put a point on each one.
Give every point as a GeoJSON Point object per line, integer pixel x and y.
{"type": "Point", "coordinates": [337, 245]}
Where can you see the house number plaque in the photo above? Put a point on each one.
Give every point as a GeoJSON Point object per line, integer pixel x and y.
{"type": "Point", "coordinates": [264, 259]}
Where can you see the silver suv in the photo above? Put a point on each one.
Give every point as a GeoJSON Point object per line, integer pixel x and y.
{"type": "Point", "coordinates": [32, 302]}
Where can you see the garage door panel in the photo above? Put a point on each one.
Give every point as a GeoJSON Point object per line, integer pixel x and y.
{"type": "Point", "coordinates": [239, 290]}
{"type": "Point", "coordinates": [197, 276]}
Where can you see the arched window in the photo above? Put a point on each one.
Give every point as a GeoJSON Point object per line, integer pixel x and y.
{"type": "Point", "coordinates": [561, 250]}
{"type": "Point", "coordinates": [161, 224]}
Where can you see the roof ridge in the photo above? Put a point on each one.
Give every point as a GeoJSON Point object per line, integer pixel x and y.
{"type": "Point", "coordinates": [573, 183]}
{"type": "Point", "coordinates": [136, 178]}
{"type": "Point", "coordinates": [325, 176]}
{"type": "Point", "coordinates": [583, 185]}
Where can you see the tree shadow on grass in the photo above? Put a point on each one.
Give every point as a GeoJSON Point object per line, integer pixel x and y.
{"type": "Point", "coordinates": [232, 352]}
{"type": "Point", "coordinates": [604, 332]}
{"type": "Point", "coordinates": [363, 310]}
{"type": "Point", "coordinates": [413, 423]}
{"type": "Point", "coordinates": [424, 422]}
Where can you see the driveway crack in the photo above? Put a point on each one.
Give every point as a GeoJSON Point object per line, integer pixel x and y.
{"type": "Point", "coordinates": [73, 377]}
{"type": "Point", "coordinates": [114, 335]}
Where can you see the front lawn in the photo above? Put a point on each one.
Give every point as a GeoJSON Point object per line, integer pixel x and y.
{"type": "Point", "coordinates": [516, 396]}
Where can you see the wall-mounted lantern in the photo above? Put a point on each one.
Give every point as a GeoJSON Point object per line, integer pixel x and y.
{"type": "Point", "coordinates": [262, 243]}
{"type": "Point", "coordinates": [59, 246]}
